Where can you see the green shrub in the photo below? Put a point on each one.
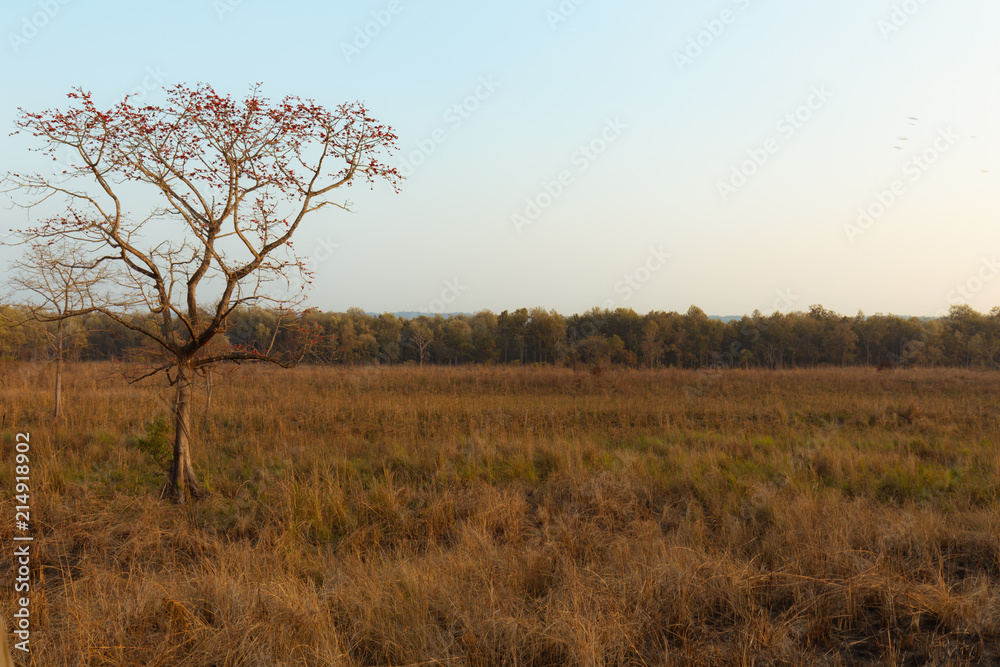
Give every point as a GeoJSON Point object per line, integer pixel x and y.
{"type": "Point", "coordinates": [156, 443]}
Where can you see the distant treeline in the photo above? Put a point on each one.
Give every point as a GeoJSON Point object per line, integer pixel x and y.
{"type": "Point", "coordinates": [598, 337]}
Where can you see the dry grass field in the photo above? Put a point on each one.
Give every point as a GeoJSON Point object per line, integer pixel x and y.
{"type": "Point", "coordinates": [504, 516]}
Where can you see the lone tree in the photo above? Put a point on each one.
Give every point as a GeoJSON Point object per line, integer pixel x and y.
{"type": "Point", "coordinates": [190, 209]}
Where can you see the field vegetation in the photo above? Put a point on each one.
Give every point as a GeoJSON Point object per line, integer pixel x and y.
{"type": "Point", "coordinates": [514, 516]}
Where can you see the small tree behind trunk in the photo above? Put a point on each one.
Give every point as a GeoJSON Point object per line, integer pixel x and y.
{"type": "Point", "coordinates": [59, 367]}
{"type": "Point", "coordinates": [57, 278]}
{"type": "Point", "coordinates": [57, 412]}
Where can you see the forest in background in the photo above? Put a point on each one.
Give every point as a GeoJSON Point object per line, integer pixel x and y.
{"type": "Point", "coordinates": [693, 340]}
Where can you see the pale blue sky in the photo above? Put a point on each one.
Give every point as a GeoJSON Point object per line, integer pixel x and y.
{"type": "Point", "coordinates": [673, 130]}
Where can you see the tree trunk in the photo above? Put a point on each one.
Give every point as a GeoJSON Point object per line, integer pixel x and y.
{"type": "Point", "coordinates": [181, 479]}
{"type": "Point", "coordinates": [58, 408]}
{"type": "Point", "coordinates": [59, 363]}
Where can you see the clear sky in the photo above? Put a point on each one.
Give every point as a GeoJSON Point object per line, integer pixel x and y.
{"type": "Point", "coordinates": [643, 154]}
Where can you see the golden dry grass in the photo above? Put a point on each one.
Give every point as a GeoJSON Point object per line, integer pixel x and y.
{"type": "Point", "coordinates": [5, 656]}
{"type": "Point", "coordinates": [518, 517]}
